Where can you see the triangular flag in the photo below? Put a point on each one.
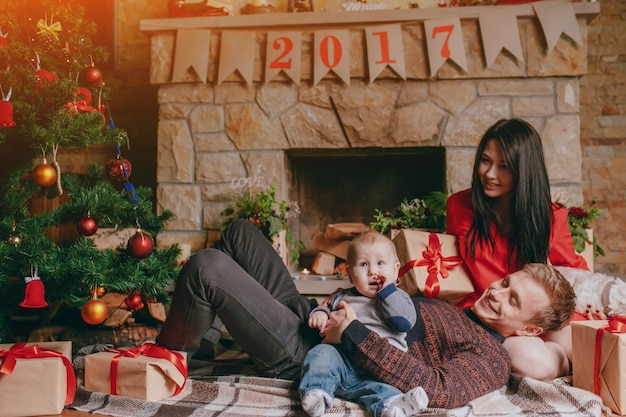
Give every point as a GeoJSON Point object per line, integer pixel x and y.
{"type": "Point", "coordinates": [384, 48]}
{"type": "Point", "coordinates": [557, 17]}
{"type": "Point", "coordinates": [499, 30]}
{"type": "Point", "coordinates": [444, 40]}
{"type": "Point", "coordinates": [192, 51]}
{"type": "Point", "coordinates": [283, 54]}
{"type": "Point", "coordinates": [237, 53]}
{"type": "Point", "coordinates": [331, 52]}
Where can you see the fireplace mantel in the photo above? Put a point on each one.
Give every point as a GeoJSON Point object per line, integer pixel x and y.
{"type": "Point", "coordinates": [333, 19]}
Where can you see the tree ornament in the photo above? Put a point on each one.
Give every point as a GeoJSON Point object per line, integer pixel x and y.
{"type": "Point", "coordinates": [141, 244]}
{"type": "Point", "coordinates": [44, 78]}
{"type": "Point", "coordinates": [48, 33]}
{"type": "Point", "coordinates": [94, 311]}
{"type": "Point", "coordinates": [14, 239]}
{"type": "Point", "coordinates": [119, 168]}
{"type": "Point", "coordinates": [4, 42]}
{"type": "Point", "coordinates": [87, 225]}
{"type": "Point", "coordinates": [98, 291]}
{"type": "Point", "coordinates": [93, 75]}
{"type": "Point", "coordinates": [134, 301]}
{"type": "Point", "coordinates": [44, 174]}
{"type": "Point", "coordinates": [6, 110]}
{"type": "Point", "coordinates": [34, 295]}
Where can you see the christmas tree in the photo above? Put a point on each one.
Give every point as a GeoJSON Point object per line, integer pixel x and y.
{"type": "Point", "coordinates": [54, 98]}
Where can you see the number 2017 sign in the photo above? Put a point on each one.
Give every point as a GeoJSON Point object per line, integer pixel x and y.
{"type": "Point", "coordinates": [332, 51]}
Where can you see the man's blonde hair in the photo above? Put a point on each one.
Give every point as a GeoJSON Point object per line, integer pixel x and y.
{"type": "Point", "coordinates": [561, 294]}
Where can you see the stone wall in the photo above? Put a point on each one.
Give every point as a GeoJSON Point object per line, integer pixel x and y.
{"type": "Point", "coordinates": [210, 135]}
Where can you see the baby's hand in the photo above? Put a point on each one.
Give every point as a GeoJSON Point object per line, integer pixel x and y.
{"type": "Point", "coordinates": [318, 320]}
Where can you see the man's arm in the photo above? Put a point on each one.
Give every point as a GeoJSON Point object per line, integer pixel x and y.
{"type": "Point", "coordinates": [533, 357]}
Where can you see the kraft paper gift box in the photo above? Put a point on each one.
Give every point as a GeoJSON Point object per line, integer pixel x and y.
{"type": "Point", "coordinates": [36, 378]}
{"type": "Point", "coordinates": [149, 372]}
{"type": "Point", "coordinates": [607, 354]}
{"type": "Point", "coordinates": [431, 266]}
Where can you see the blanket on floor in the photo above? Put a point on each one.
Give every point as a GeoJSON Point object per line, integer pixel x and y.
{"type": "Point", "coordinates": [246, 396]}
{"type": "Point", "coordinates": [229, 387]}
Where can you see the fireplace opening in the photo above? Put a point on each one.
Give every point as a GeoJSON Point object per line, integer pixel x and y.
{"type": "Point", "coordinates": [348, 185]}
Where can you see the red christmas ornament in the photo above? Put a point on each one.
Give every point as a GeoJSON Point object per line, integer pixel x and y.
{"type": "Point", "coordinates": [141, 244]}
{"type": "Point", "coordinates": [44, 175]}
{"type": "Point", "coordinates": [94, 311]}
{"type": "Point", "coordinates": [34, 295]}
{"type": "Point", "coordinates": [93, 75]}
{"type": "Point", "coordinates": [6, 114]}
{"type": "Point", "coordinates": [134, 301]}
{"type": "Point", "coordinates": [87, 225]}
{"type": "Point", "coordinates": [119, 169]}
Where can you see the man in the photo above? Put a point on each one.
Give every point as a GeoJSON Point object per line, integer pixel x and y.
{"type": "Point", "coordinates": [449, 355]}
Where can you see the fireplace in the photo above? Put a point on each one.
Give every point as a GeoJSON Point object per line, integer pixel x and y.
{"type": "Point", "coordinates": [347, 186]}
{"type": "Point", "coordinates": [342, 149]}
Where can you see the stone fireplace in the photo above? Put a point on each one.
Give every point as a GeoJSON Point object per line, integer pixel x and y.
{"type": "Point", "coordinates": [341, 150]}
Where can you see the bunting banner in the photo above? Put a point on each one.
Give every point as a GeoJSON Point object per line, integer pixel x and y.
{"type": "Point", "coordinates": [444, 40]}
{"type": "Point", "coordinates": [188, 43]}
{"type": "Point", "coordinates": [332, 53]}
{"type": "Point", "coordinates": [283, 54]}
{"type": "Point", "coordinates": [556, 18]}
{"type": "Point", "coordinates": [384, 48]}
{"type": "Point", "coordinates": [237, 54]}
{"type": "Point", "coordinates": [497, 33]}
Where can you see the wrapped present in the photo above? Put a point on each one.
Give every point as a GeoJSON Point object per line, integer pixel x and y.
{"type": "Point", "coordinates": [598, 357]}
{"type": "Point", "coordinates": [431, 265]}
{"type": "Point", "coordinates": [149, 372]}
{"type": "Point", "coordinates": [43, 370]}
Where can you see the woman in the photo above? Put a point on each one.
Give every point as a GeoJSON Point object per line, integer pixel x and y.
{"type": "Point", "coordinates": [507, 219]}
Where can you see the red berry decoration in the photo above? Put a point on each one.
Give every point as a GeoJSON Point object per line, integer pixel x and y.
{"type": "Point", "coordinates": [119, 169]}
{"type": "Point", "coordinates": [141, 244]}
{"type": "Point", "coordinates": [134, 301]}
{"type": "Point", "coordinates": [87, 225]}
{"type": "Point", "coordinates": [44, 175]}
{"type": "Point", "coordinates": [93, 75]}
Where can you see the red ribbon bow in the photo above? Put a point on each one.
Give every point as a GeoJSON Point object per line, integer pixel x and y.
{"type": "Point", "coordinates": [151, 350]}
{"type": "Point", "coordinates": [21, 351]}
{"type": "Point", "coordinates": [617, 324]}
{"type": "Point", "coordinates": [437, 265]}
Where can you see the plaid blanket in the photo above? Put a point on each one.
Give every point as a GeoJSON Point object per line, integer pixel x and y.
{"type": "Point", "coordinates": [240, 393]}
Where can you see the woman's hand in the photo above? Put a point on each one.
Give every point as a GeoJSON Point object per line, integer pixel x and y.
{"type": "Point", "coordinates": [338, 321]}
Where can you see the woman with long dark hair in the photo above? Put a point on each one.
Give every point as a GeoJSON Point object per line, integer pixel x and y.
{"type": "Point", "coordinates": [507, 219]}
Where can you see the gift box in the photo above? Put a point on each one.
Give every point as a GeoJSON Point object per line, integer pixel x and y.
{"type": "Point", "coordinates": [149, 372]}
{"type": "Point", "coordinates": [431, 265]}
{"type": "Point", "coordinates": [599, 359]}
{"type": "Point", "coordinates": [41, 371]}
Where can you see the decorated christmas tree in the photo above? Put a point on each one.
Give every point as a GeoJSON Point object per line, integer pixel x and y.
{"type": "Point", "coordinates": [54, 98]}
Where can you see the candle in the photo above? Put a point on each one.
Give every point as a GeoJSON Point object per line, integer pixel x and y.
{"type": "Point", "coordinates": [305, 271]}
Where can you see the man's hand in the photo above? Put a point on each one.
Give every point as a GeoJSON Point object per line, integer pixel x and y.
{"type": "Point", "coordinates": [337, 323]}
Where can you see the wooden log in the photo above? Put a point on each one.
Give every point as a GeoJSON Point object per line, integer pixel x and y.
{"type": "Point", "coordinates": [345, 231]}
{"type": "Point", "coordinates": [324, 264]}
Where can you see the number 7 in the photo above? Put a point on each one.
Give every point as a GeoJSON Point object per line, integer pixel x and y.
{"type": "Point", "coordinates": [445, 50]}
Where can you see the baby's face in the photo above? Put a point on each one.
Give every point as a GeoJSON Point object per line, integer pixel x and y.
{"type": "Point", "coordinates": [375, 264]}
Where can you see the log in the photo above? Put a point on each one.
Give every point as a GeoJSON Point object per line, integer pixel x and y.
{"type": "Point", "coordinates": [345, 231]}
{"type": "Point", "coordinates": [324, 264]}
{"type": "Point", "coordinates": [339, 248]}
